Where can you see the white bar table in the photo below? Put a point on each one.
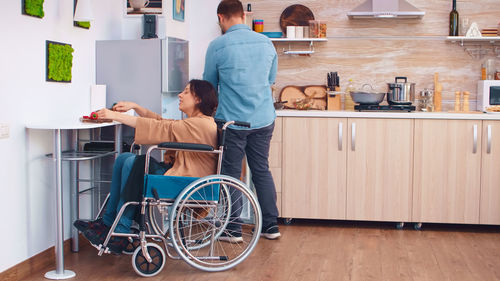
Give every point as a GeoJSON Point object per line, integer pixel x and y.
{"type": "Point", "coordinates": [57, 126]}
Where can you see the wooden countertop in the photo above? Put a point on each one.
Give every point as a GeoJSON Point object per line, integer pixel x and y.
{"type": "Point", "coordinates": [385, 114]}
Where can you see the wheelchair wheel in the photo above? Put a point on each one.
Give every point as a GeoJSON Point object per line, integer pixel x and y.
{"type": "Point", "coordinates": [197, 223]}
{"type": "Point", "coordinates": [159, 218]}
{"type": "Point", "coordinates": [142, 266]}
{"type": "Point", "coordinates": [132, 245]}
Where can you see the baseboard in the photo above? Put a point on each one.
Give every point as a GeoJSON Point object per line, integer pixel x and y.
{"type": "Point", "coordinates": [34, 265]}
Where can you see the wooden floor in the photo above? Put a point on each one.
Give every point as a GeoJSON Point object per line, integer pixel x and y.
{"type": "Point", "coordinates": [333, 250]}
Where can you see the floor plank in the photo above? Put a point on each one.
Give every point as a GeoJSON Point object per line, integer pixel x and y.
{"type": "Point", "coordinates": [332, 250]}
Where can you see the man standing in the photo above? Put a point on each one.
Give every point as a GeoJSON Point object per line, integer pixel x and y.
{"type": "Point", "coordinates": [242, 65]}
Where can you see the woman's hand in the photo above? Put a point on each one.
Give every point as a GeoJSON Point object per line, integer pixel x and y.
{"type": "Point", "coordinates": [107, 114]}
{"type": "Point", "coordinates": [124, 106]}
{"type": "Point", "coordinates": [117, 116]}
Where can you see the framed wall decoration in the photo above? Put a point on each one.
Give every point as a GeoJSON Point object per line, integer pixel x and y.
{"type": "Point", "coordinates": [178, 9]}
{"type": "Point", "coordinates": [81, 24]}
{"type": "Point", "coordinates": [32, 8]}
{"type": "Point", "coordinates": [143, 7]}
{"type": "Point", "coordinates": [59, 61]}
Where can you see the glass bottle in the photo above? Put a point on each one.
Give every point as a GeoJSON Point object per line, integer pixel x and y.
{"type": "Point", "coordinates": [348, 102]}
{"type": "Point", "coordinates": [454, 20]}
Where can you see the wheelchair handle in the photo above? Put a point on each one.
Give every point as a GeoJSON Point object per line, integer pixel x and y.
{"type": "Point", "coordinates": [237, 123]}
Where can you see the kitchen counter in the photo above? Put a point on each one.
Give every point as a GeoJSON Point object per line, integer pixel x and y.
{"type": "Point", "coordinates": [385, 114]}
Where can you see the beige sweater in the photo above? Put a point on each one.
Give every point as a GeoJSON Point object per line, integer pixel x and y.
{"type": "Point", "coordinates": [201, 129]}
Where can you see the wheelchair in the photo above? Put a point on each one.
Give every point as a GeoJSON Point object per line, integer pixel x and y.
{"type": "Point", "coordinates": [183, 217]}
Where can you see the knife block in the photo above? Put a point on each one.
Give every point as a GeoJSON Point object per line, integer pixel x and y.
{"type": "Point", "coordinates": [333, 101]}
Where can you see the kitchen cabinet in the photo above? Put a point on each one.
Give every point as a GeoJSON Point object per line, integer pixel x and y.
{"type": "Point", "coordinates": [447, 166]}
{"type": "Point", "coordinates": [490, 175]}
{"type": "Point", "coordinates": [379, 169]}
{"type": "Point", "coordinates": [275, 158]}
{"type": "Point", "coordinates": [314, 168]}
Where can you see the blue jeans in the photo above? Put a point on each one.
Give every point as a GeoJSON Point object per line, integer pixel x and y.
{"type": "Point", "coordinates": [255, 144]}
{"type": "Point", "coordinates": [121, 171]}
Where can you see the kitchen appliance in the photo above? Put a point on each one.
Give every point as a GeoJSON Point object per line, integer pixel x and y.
{"type": "Point", "coordinates": [149, 27]}
{"type": "Point", "coordinates": [376, 107]}
{"type": "Point", "coordinates": [401, 93]}
{"type": "Point", "coordinates": [149, 72]}
{"type": "Point", "coordinates": [385, 9]}
{"type": "Point", "coordinates": [488, 94]}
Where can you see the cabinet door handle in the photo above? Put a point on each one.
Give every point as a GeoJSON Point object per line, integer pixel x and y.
{"type": "Point", "coordinates": [474, 139]}
{"type": "Point", "coordinates": [341, 136]}
{"type": "Point", "coordinates": [488, 145]}
{"type": "Point", "coordinates": [353, 138]}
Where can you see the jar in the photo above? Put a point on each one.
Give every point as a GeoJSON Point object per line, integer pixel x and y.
{"type": "Point", "coordinates": [258, 25]}
{"type": "Point", "coordinates": [425, 101]}
{"type": "Point", "coordinates": [313, 29]}
{"type": "Point", "coordinates": [322, 29]}
{"type": "Point", "coordinates": [497, 74]}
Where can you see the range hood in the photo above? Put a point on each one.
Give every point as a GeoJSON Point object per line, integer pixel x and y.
{"type": "Point", "coordinates": [385, 9]}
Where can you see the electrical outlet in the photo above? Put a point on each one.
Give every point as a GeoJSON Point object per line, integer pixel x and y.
{"type": "Point", "coordinates": [4, 131]}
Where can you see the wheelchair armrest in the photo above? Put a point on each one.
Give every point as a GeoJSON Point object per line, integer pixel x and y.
{"type": "Point", "coordinates": [183, 145]}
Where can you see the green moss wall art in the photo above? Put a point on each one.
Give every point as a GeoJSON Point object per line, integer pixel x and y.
{"type": "Point", "coordinates": [82, 24]}
{"type": "Point", "coordinates": [33, 8]}
{"type": "Point", "coordinates": [59, 61]}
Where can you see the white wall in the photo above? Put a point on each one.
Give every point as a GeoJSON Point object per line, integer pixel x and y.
{"type": "Point", "coordinates": [27, 211]}
{"type": "Point", "coordinates": [203, 28]}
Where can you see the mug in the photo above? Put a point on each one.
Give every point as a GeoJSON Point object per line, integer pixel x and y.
{"type": "Point", "coordinates": [299, 32]}
{"type": "Point", "coordinates": [138, 4]}
{"type": "Point", "coordinates": [290, 32]}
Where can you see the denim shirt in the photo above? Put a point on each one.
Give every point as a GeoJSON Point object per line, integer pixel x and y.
{"type": "Point", "coordinates": [242, 66]}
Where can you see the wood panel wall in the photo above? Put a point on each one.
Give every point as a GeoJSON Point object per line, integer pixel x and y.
{"type": "Point", "coordinates": [375, 51]}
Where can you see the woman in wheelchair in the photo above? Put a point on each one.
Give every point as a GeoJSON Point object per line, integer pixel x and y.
{"type": "Point", "coordinates": [198, 101]}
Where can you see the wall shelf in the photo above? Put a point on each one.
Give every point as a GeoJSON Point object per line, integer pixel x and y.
{"type": "Point", "coordinates": [462, 39]}
{"type": "Point", "coordinates": [298, 39]}
{"type": "Point", "coordinates": [300, 52]}
{"type": "Point", "coordinates": [477, 47]}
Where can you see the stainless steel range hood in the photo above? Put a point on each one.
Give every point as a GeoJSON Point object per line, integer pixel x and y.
{"type": "Point", "coordinates": [385, 9]}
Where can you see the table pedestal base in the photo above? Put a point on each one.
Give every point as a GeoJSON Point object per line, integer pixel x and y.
{"type": "Point", "coordinates": [56, 276]}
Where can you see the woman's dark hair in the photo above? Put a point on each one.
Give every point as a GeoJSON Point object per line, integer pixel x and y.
{"type": "Point", "coordinates": [230, 8]}
{"type": "Point", "coordinates": [206, 93]}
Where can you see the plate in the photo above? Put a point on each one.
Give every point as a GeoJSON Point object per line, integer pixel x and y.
{"type": "Point", "coordinates": [273, 34]}
{"type": "Point", "coordinates": [296, 15]}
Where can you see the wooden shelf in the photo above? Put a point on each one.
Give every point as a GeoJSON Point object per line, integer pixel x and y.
{"type": "Point", "coordinates": [299, 39]}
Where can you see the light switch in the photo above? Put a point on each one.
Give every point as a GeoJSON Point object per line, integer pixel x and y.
{"type": "Point", "coordinates": [4, 131]}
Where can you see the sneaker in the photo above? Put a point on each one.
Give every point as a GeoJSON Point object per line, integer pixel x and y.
{"type": "Point", "coordinates": [83, 225]}
{"type": "Point", "coordinates": [118, 244]}
{"type": "Point", "coordinates": [97, 234]}
{"type": "Point", "coordinates": [231, 236]}
{"type": "Point", "coordinates": [271, 232]}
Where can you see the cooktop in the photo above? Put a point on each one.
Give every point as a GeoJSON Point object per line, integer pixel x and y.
{"type": "Point", "coordinates": [376, 107]}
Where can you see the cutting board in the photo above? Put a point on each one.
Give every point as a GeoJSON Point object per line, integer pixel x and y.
{"type": "Point", "coordinates": [296, 15]}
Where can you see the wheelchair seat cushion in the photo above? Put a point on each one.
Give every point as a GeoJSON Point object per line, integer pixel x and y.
{"type": "Point", "coordinates": [169, 187]}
